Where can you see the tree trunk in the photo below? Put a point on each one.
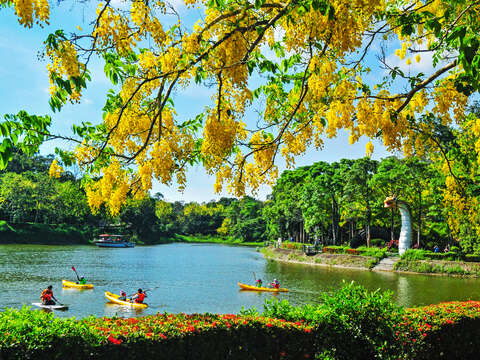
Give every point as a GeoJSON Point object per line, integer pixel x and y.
{"type": "Point", "coordinates": [333, 224]}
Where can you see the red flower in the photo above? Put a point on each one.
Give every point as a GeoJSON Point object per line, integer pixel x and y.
{"type": "Point", "coordinates": [113, 340]}
{"type": "Point", "coordinates": [308, 330]}
{"type": "Point", "coordinates": [269, 325]}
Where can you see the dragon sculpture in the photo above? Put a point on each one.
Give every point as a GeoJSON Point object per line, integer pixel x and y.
{"type": "Point", "coordinates": [405, 240]}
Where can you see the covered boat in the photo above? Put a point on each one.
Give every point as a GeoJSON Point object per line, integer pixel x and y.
{"type": "Point", "coordinates": [256, 288]}
{"type": "Point", "coordinates": [71, 284]}
{"type": "Point", "coordinates": [115, 299]}
{"type": "Point", "coordinates": [117, 241]}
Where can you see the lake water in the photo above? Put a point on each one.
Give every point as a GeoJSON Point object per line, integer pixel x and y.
{"type": "Point", "coordinates": [193, 278]}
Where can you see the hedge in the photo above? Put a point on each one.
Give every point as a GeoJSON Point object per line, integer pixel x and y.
{"type": "Point", "coordinates": [352, 323]}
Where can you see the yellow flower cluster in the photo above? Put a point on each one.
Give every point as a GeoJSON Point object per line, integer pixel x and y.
{"type": "Point", "coordinates": [111, 189]}
{"type": "Point", "coordinates": [27, 10]}
{"type": "Point", "coordinates": [113, 30]}
{"type": "Point", "coordinates": [65, 64]}
{"type": "Point", "coordinates": [55, 170]}
{"type": "Point", "coordinates": [447, 99]}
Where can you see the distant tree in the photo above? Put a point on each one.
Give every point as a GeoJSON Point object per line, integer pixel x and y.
{"type": "Point", "coordinates": [359, 192]}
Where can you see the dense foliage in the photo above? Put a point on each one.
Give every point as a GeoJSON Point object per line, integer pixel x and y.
{"type": "Point", "coordinates": [310, 68]}
{"type": "Point", "coordinates": [325, 202]}
{"type": "Point", "coordinates": [35, 207]}
{"type": "Point", "coordinates": [342, 202]}
{"type": "Point", "coordinates": [351, 323]}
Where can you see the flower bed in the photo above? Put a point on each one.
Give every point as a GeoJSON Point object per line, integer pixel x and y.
{"type": "Point", "coordinates": [353, 251]}
{"type": "Point", "coordinates": [37, 335]}
{"type": "Point", "coordinates": [291, 245]}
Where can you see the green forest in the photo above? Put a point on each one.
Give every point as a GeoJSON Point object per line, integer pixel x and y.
{"type": "Point", "coordinates": [333, 203]}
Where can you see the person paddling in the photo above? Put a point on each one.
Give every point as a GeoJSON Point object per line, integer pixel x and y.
{"type": "Point", "coordinates": [81, 280]}
{"type": "Point", "coordinates": [47, 296]}
{"type": "Point", "coordinates": [139, 297]}
{"type": "Point", "coordinates": [275, 284]}
{"type": "Point", "coordinates": [123, 296]}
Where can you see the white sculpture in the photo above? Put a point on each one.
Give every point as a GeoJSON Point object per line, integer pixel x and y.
{"type": "Point", "coordinates": [405, 240]}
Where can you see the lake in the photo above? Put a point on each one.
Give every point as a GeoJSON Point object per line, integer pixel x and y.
{"type": "Point", "coordinates": [193, 278]}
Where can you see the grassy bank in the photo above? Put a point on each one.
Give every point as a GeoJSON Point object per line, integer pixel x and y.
{"type": "Point", "coordinates": [450, 263]}
{"type": "Point", "coordinates": [351, 323]}
{"type": "Point", "coordinates": [439, 267]}
{"type": "Point", "coordinates": [325, 259]}
{"type": "Point", "coordinates": [215, 240]}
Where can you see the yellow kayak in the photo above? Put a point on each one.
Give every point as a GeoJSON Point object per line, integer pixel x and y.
{"type": "Point", "coordinates": [256, 288]}
{"type": "Point", "coordinates": [115, 299]}
{"type": "Point", "coordinates": [71, 284]}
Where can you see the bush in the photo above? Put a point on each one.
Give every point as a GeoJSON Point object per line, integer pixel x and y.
{"type": "Point", "coordinates": [472, 258]}
{"type": "Point", "coordinates": [377, 242]}
{"type": "Point", "coordinates": [37, 335]}
{"type": "Point", "coordinates": [351, 323]}
{"type": "Point", "coordinates": [373, 251]}
{"type": "Point", "coordinates": [353, 251]}
{"type": "Point", "coordinates": [333, 249]}
{"type": "Point", "coordinates": [413, 254]}
{"type": "Point", "coordinates": [291, 245]}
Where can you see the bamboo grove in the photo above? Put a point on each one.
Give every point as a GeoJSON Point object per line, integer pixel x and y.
{"type": "Point", "coordinates": [308, 65]}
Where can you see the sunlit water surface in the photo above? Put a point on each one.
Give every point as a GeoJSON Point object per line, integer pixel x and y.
{"type": "Point", "coordinates": [193, 278]}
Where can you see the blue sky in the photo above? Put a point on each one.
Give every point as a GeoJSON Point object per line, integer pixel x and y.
{"type": "Point", "coordinates": [24, 86]}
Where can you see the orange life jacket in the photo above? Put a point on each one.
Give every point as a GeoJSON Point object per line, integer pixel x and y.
{"type": "Point", "coordinates": [140, 297]}
{"type": "Point", "coordinates": [46, 294]}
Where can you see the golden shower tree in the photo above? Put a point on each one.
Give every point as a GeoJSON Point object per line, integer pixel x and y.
{"type": "Point", "coordinates": [307, 64]}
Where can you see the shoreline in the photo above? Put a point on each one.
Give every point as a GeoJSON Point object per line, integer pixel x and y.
{"type": "Point", "coordinates": [297, 257]}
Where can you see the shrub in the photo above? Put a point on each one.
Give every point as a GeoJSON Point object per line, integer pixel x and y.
{"type": "Point", "coordinates": [352, 323]}
{"type": "Point", "coordinates": [291, 245]}
{"type": "Point", "coordinates": [353, 251]}
{"type": "Point", "coordinates": [377, 242]}
{"type": "Point", "coordinates": [472, 258]}
{"type": "Point", "coordinates": [333, 249]}
{"type": "Point", "coordinates": [373, 251]}
{"type": "Point", "coordinates": [413, 254]}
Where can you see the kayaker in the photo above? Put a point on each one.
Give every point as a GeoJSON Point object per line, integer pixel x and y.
{"type": "Point", "coordinates": [47, 296]}
{"type": "Point", "coordinates": [275, 284]}
{"type": "Point", "coordinates": [139, 297]}
{"type": "Point", "coordinates": [123, 296]}
{"type": "Point", "coordinates": [82, 281]}
{"type": "Point", "coordinates": [259, 282]}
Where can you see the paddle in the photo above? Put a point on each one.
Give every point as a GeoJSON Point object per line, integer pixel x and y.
{"type": "Point", "coordinates": [73, 268]}
{"type": "Point", "coordinates": [58, 302]}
